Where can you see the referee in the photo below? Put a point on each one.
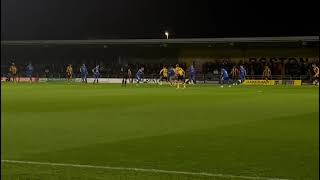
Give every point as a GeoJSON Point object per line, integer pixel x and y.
{"type": "Point", "coordinates": [126, 74]}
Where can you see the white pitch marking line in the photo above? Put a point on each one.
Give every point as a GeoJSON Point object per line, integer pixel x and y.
{"type": "Point", "coordinates": [140, 169]}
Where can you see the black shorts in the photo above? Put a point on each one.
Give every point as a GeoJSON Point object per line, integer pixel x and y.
{"type": "Point", "coordinates": [315, 78]}
{"type": "Point", "coordinates": [96, 76]}
{"type": "Point", "coordinates": [164, 78]}
{"type": "Point", "coordinates": [180, 78]}
{"type": "Point", "coordinates": [69, 76]}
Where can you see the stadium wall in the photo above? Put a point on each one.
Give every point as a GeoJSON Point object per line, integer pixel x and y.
{"type": "Point", "coordinates": [238, 54]}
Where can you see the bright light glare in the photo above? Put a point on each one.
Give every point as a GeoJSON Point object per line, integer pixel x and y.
{"type": "Point", "coordinates": [167, 34]}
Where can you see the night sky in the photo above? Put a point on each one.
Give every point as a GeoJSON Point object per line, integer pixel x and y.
{"type": "Point", "coordinates": [110, 19]}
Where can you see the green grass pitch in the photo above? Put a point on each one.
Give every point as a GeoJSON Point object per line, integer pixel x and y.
{"type": "Point", "coordinates": [232, 133]}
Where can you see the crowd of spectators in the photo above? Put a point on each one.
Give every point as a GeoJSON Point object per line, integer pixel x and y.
{"type": "Point", "coordinates": [289, 67]}
{"type": "Point", "coordinates": [107, 68]}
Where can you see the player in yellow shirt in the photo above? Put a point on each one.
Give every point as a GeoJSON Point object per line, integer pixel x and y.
{"type": "Point", "coordinates": [69, 72]}
{"type": "Point", "coordinates": [13, 72]}
{"type": "Point", "coordinates": [266, 73]}
{"type": "Point", "coordinates": [180, 73]}
{"type": "Point", "coordinates": [316, 74]}
{"type": "Point", "coordinates": [163, 75]}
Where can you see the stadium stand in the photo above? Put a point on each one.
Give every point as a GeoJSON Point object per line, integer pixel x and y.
{"type": "Point", "coordinates": [287, 57]}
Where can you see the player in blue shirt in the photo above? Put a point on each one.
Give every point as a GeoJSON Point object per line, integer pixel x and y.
{"type": "Point", "coordinates": [96, 74]}
{"type": "Point", "coordinates": [171, 74]}
{"type": "Point", "coordinates": [84, 73]}
{"type": "Point", "coordinates": [242, 74]}
{"type": "Point", "coordinates": [192, 75]}
{"type": "Point", "coordinates": [29, 71]}
{"type": "Point", "coordinates": [139, 74]}
{"type": "Point", "coordinates": [224, 77]}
